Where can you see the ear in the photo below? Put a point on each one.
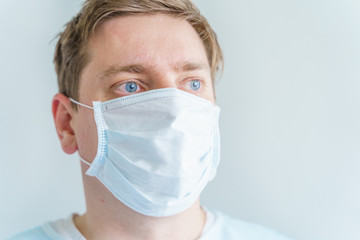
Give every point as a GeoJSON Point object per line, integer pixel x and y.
{"type": "Point", "coordinates": [63, 112]}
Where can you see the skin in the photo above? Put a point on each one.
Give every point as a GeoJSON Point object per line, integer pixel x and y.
{"type": "Point", "coordinates": [154, 51]}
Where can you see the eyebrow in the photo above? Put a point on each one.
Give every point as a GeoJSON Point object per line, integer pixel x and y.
{"type": "Point", "coordinates": [190, 66]}
{"type": "Point", "coordinates": [185, 66]}
{"type": "Point", "coordinates": [114, 69]}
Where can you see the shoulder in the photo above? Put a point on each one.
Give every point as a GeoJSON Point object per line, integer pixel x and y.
{"type": "Point", "coordinates": [31, 234]}
{"type": "Point", "coordinates": [50, 230]}
{"type": "Point", "coordinates": [226, 227]}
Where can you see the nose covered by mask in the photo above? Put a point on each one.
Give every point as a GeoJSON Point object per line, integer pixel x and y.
{"type": "Point", "coordinates": [157, 150]}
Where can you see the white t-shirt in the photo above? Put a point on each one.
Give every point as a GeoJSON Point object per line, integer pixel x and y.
{"type": "Point", "coordinates": [218, 226]}
{"type": "Point", "coordinates": [67, 230]}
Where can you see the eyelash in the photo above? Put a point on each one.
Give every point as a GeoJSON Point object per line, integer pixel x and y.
{"type": "Point", "coordinates": [123, 83]}
{"type": "Point", "coordinates": [203, 84]}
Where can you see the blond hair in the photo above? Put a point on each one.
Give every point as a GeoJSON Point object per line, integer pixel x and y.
{"type": "Point", "coordinates": [71, 49]}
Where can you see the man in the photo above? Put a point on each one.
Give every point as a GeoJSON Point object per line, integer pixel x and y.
{"type": "Point", "coordinates": [137, 102]}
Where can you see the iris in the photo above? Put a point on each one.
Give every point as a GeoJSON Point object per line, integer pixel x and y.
{"type": "Point", "coordinates": [195, 84]}
{"type": "Point", "coordinates": [131, 87]}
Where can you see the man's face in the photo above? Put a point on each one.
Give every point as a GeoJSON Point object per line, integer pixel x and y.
{"type": "Point", "coordinates": [132, 54]}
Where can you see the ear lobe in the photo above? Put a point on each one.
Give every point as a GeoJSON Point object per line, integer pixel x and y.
{"type": "Point", "coordinates": [63, 112]}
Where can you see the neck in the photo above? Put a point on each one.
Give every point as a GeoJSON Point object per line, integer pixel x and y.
{"type": "Point", "coordinates": [108, 218]}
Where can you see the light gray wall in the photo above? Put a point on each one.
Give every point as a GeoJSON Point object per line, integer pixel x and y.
{"type": "Point", "coordinates": [37, 180]}
{"type": "Point", "coordinates": [290, 116]}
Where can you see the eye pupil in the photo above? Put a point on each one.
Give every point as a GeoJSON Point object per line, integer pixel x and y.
{"type": "Point", "coordinates": [131, 87]}
{"type": "Point", "coordinates": [195, 84]}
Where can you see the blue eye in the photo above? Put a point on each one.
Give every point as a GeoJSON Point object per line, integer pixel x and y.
{"type": "Point", "coordinates": [195, 84]}
{"type": "Point", "coordinates": [131, 87]}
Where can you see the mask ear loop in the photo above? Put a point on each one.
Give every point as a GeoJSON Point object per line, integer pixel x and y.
{"type": "Point", "coordinates": [81, 104]}
{"type": "Point", "coordinates": [84, 161]}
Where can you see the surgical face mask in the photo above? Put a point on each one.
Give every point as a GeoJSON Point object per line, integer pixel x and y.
{"type": "Point", "coordinates": [157, 149]}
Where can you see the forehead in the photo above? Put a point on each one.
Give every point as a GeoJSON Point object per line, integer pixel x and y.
{"type": "Point", "coordinates": [146, 39]}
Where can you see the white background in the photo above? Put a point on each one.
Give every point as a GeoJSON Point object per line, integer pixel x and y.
{"type": "Point", "coordinates": [290, 120]}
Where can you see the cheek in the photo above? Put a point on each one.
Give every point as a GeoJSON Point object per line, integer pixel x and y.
{"type": "Point", "coordinates": [86, 135]}
{"type": "Point", "coordinates": [210, 93]}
